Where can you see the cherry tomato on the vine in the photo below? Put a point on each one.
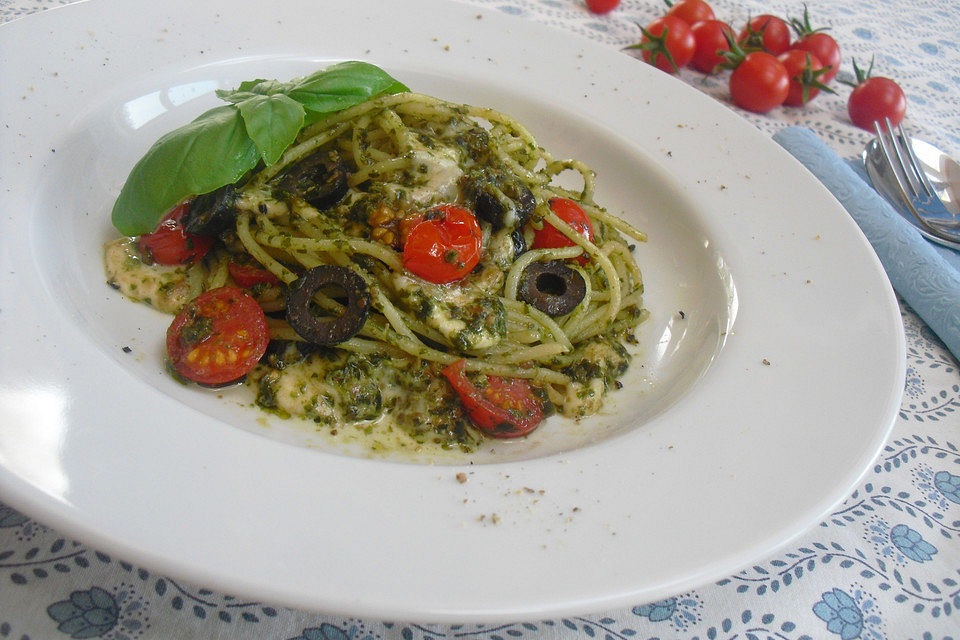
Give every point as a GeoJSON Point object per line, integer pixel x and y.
{"type": "Point", "coordinates": [218, 337]}
{"type": "Point", "coordinates": [711, 37]}
{"type": "Point", "coordinates": [549, 237]}
{"type": "Point", "coordinates": [825, 49]}
{"type": "Point", "coordinates": [805, 71]}
{"type": "Point", "coordinates": [501, 407]}
{"type": "Point", "coordinates": [170, 244]}
{"type": "Point", "coordinates": [444, 245]}
{"type": "Point", "coordinates": [874, 99]}
{"type": "Point", "coordinates": [691, 11]}
{"type": "Point", "coordinates": [602, 6]}
{"type": "Point", "coordinates": [819, 44]}
{"type": "Point", "coordinates": [767, 32]}
{"type": "Point", "coordinates": [759, 83]}
{"type": "Point", "coordinates": [667, 43]}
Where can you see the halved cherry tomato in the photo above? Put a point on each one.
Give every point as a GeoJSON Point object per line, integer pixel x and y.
{"type": "Point", "coordinates": [691, 11]}
{"type": "Point", "coordinates": [602, 6]}
{"type": "Point", "coordinates": [248, 275]}
{"type": "Point", "coordinates": [218, 337]}
{"type": "Point", "coordinates": [549, 237]}
{"type": "Point", "coordinates": [711, 37]}
{"type": "Point", "coordinates": [766, 32]}
{"type": "Point", "coordinates": [444, 246]}
{"type": "Point", "coordinates": [502, 408]}
{"type": "Point", "coordinates": [170, 244]}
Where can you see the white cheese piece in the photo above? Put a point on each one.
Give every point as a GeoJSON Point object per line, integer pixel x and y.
{"type": "Point", "coordinates": [162, 286]}
{"type": "Point", "coordinates": [437, 174]}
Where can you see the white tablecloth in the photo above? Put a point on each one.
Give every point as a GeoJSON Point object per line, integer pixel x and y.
{"type": "Point", "coordinates": [885, 564]}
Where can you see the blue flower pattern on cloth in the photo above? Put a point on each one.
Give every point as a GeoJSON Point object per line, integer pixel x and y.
{"type": "Point", "coordinates": [11, 518]}
{"type": "Point", "coordinates": [325, 631]}
{"type": "Point", "coordinates": [86, 614]}
{"type": "Point", "coordinates": [841, 613]}
{"type": "Point", "coordinates": [657, 611]}
{"type": "Point", "coordinates": [911, 544]}
{"type": "Point", "coordinates": [948, 484]}
{"type": "Point", "coordinates": [883, 565]}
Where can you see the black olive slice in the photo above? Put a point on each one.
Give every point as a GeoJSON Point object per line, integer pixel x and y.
{"type": "Point", "coordinates": [488, 208]}
{"type": "Point", "coordinates": [489, 205]}
{"type": "Point", "coordinates": [321, 330]}
{"type": "Point", "coordinates": [526, 203]}
{"type": "Point", "coordinates": [320, 179]}
{"type": "Point", "coordinates": [552, 287]}
{"type": "Point", "coordinates": [212, 213]}
{"type": "Point", "coordinates": [519, 243]}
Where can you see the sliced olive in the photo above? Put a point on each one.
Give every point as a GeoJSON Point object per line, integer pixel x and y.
{"type": "Point", "coordinates": [501, 200]}
{"type": "Point", "coordinates": [212, 213]}
{"type": "Point", "coordinates": [519, 243]}
{"type": "Point", "coordinates": [320, 179]}
{"type": "Point", "coordinates": [552, 287]}
{"type": "Point", "coordinates": [321, 330]}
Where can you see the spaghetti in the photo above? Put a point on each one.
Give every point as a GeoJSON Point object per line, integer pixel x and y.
{"type": "Point", "coordinates": [403, 156]}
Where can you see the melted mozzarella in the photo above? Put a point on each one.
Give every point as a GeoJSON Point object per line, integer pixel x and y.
{"type": "Point", "coordinates": [161, 286]}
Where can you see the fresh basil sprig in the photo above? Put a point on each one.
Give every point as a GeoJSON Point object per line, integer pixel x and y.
{"type": "Point", "coordinates": [262, 119]}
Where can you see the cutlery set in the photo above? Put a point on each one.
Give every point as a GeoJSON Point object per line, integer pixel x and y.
{"type": "Point", "coordinates": [918, 186]}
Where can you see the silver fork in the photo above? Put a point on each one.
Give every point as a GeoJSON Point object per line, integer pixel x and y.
{"type": "Point", "coordinates": [915, 189]}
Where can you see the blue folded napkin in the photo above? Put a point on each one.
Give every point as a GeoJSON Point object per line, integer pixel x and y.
{"type": "Point", "coordinates": [925, 274]}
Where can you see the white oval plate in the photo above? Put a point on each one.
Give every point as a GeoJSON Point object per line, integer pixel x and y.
{"type": "Point", "coordinates": [744, 419]}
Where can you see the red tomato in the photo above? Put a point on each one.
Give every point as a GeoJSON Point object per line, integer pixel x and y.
{"type": "Point", "coordinates": [502, 408]}
{"type": "Point", "coordinates": [444, 246]}
{"type": "Point", "coordinates": [875, 99]}
{"type": "Point", "coordinates": [218, 337]}
{"type": "Point", "coordinates": [667, 43]}
{"type": "Point", "coordinates": [248, 275]}
{"type": "Point", "coordinates": [770, 33]}
{"type": "Point", "coordinates": [549, 237]}
{"type": "Point", "coordinates": [759, 83]}
{"type": "Point", "coordinates": [826, 50]}
{"type": "Point", "coordinates": [602, 6]}
{"type": "Point", "coordinates": [691, 11]}
{"type": "Point", "coordinates": [804, 70]}
{"type": "Point", "coordinates": [710, 38]}
{"type": "Point", "coordinates": [170, 244]}
{"type": "Point", "coordinates": [817, 43]}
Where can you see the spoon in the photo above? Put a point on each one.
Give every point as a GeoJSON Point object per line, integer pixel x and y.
{"type": "Point", "coordinates": [942, 171]}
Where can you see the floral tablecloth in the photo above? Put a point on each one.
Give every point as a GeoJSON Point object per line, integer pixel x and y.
{"type": "Point", "coordinates": [885, 564]}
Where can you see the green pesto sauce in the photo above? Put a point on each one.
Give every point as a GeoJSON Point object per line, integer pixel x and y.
{"type": "Point", "coordinates": [373, 394]}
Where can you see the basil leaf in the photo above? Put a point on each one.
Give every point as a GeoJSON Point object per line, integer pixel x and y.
{"type": "Point", "coordinates": [258, 86]}
{"type": "Point", "coordinates": [204, 155]}
{"type": "Point", "coordinates": [341, 86]}
{"type": "Point", "coordinates": [272, 122]}
{"type": "Point", "coordinates": [220, 146]}
{"type": "Point", "coordinates": [234, 96]}
{"type": "Point", "coordinates": [249, 88]}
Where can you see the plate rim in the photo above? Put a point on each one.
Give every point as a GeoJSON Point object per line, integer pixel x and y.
{"type": "Point", "coordinates": [60, 512]}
